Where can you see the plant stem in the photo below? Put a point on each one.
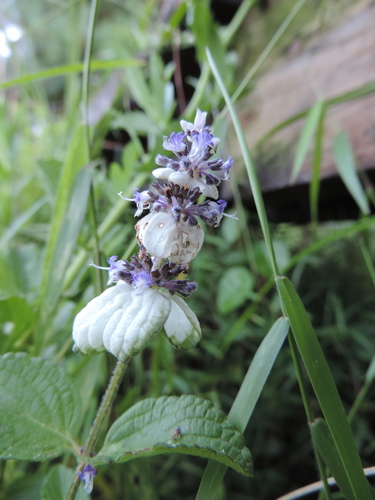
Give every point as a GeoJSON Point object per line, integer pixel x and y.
{"type": "Point", "coordinates": [85, 110]}
{"type": "Point", "coordinates": [102, 413]}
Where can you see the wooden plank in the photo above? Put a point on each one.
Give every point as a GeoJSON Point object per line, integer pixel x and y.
{"type": "Point", "coordinates": [337, 62]}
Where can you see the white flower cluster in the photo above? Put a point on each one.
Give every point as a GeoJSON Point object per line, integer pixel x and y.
{"type": "Point", "coordinates": [145, 298]}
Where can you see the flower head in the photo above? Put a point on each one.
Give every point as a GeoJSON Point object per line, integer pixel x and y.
{"type": "Point", "coordinates": [148, 292]}
{"type": "Point", "coordinates": [165, 238]}
{"type": "Point", "coordinates": [194, 167]}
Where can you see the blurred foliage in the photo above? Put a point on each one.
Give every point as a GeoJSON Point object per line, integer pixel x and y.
{"type": "Point", "coordinates": [137, 106]}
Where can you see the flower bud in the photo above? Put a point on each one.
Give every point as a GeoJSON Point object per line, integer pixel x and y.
{"type": "Point", "coordinates": [166, 239]}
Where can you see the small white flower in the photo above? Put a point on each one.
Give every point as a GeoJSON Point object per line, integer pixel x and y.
{"type": "Point", "coordinates": [123, 321]}
{"type": "Point", "coordinates": [166, 239]}
{"type": "Point", "coordinates": [199, 122]}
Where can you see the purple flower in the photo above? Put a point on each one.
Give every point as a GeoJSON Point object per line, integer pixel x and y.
{"type": "Point", "coordinates": [175, 143]}
{"type": "Point", "coordinates": [139, 273]}
{"type": "Point", "coordinates": [87, 476]}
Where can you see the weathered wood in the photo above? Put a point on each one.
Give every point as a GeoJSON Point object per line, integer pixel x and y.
{"type": "Point", "coordinates": [337, 62]}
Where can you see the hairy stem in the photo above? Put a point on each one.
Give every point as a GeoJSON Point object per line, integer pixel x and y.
{"type": "Point", "coordinates": [102, 413]}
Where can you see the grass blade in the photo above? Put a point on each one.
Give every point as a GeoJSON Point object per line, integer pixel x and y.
{"type": "Point", "coordinates": [246, 400]}
{"type": "Point", "coordinates": [345, 164]}
{"type": "Point", "coordinates": [250, 168]}
{"type": "Point", "coordinates": [324, 387]}
{"type": "Point", "coordinates": [69, 69]}
{"type": "Point", "coordinates": [68, 237]}
{"type": "Point", "coordinates": [20, 221]}
{"type": "Point", "coordinates": [327, 449]}
{"type": "Point", "coordinates": [316, 167]}
{"type": "Point", "coordinates": [312, 120]}
{"type": "Point", "coordinates": [363, 91]}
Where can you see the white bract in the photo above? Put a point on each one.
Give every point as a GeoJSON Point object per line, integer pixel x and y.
{"type": "Point", "coordinates": [166, 239]}
{"type": "Point", "coordinates": [123, 321]}
{"type": "Point", "coordinates": [182, 326]}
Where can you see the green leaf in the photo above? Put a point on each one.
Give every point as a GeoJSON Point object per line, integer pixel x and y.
{"type": "Point", "coordinates": [68, 69]}
{"type": "Point", "coordinates": [246, 399]}
{"type": "Point", "coordinates": [324, 387]}
{"type": "Point", "coordinates": [39, 407]}
{"type": "Point", "coordinates": [234, 288]}
{"type": "Point", "coordinates": [29, 488]}
{"type": "Point", "coordinates": [20, 221]}
{"type": "Point", "coordinates": [185, 424]}
{"type": "Point", "coordinates": [328, 451]}
{"type": "Point", "coordinates": [312, 120]}
{"type": "Point", "coordinates": [345, 164]}
{"type": "Point", "coordinates": [57, 482]}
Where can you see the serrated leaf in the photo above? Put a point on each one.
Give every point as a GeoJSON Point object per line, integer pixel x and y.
{"type": "Point", "coordinates": [308, 131]}
{"type": "Point", "coordinates": [57, 482]}
{"type": "Point", "coordinates": [234, 288]}
{"type": "Point", "coordinates": [345, 164]}
{"type": "Point", "coordinates": [39, 407]}
{"type": "Point", "coordinates": [185, 424]}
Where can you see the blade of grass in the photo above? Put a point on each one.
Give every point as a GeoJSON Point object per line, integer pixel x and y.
{"type": "Point", "coordinates": [345, 164]}
{"type": "Point", "coordinates": [363, 91]}
{"type": "Point", "coordinates": [99, 285]}
{"type": "Point", "coordinates": [20, 221]}
{"type": "Point", "coordinates": [312, 120]}
{"type": "Point", "coordinates": [366, 254]}
{"type": "Point", "coordinates": [316, 167]}
{"type": "Point", "coordinates": [66, 242]}
{"type": "Point", "coordinates": [246, 399]}
{"type": "Point", "coordinates": [370, 376]}
{"type": "Point", "coordinates": [68, 69]}
{"type": "Point", "coordinates": [271, 44]}
{"type": "Point", "coordinates": [254, 183]}
{"type": "Point", "coordinates": [324, 387]}
{"type": "Point", "coordinates": [327, 449]}
{"type": "Point", "coordinates": [237, 20]}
